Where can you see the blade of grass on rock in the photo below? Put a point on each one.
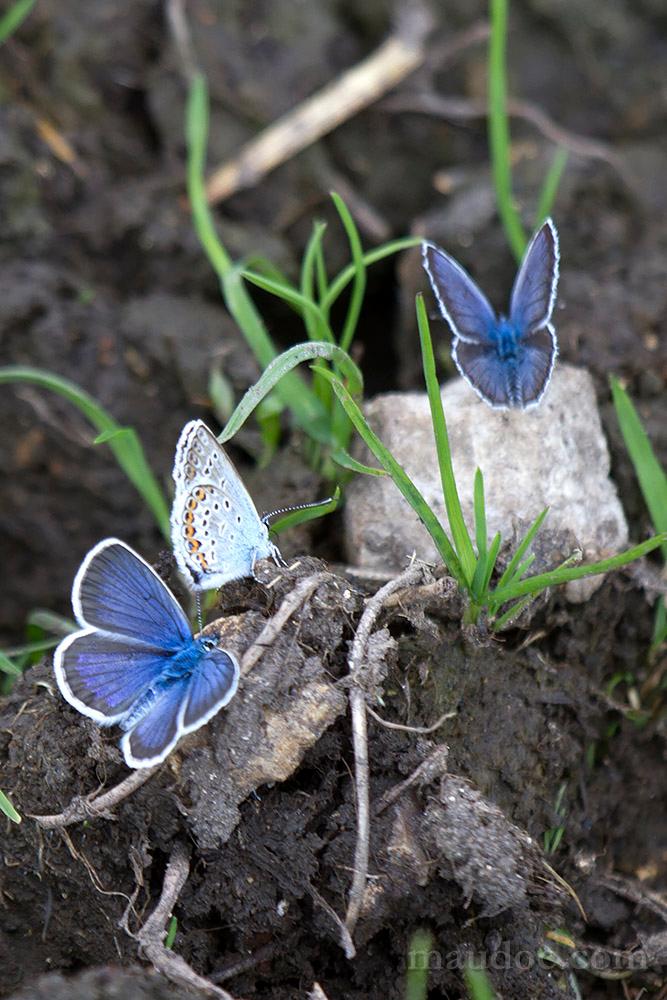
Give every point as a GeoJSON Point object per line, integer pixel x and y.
{"type": "Point", "coordinates": [403, 482]}
{"type": "Point", "coordinates": [459, 530]}
{"type": "Point", "coordinates": [523, 546]}
{"type": "Point", "coordinates": [651, 475]}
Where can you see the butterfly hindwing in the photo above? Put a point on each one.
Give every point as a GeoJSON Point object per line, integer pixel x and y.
{"type": "Point", "coordinates": [520, 382]}
{"type": "Point", "coordinates": [212, 685]}
{"type": "Point", "coordinates": [156, 734]}
{"type": "Point", "coordinates": [217, 534]}
{"type": "Point", "coordinates": [534, 289]}
{"type": "Point", "coordinates": [116, 591]}
{"type": "Point", "coordinates": [462, 303]}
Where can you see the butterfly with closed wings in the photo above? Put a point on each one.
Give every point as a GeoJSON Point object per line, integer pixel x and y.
{"type": "Point", "coordinates": [216, 533]}
{"type": "Point", "coordinates": [508, 361]}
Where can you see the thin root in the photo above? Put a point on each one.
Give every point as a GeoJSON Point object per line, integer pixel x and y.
{"type": "Point", "coordinates": [86, 807]}
{"type": "Point", "coordinates": [409, 577]}
{"type": "Point", "coordinates": [152, 934]}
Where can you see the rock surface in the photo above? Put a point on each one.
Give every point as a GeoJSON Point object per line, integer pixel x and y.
{"type": "Point", "coordinates": [554, 456]}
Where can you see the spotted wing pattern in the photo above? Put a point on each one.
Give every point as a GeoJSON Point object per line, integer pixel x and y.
{"type": "Point", "coordinates": [217, 534]}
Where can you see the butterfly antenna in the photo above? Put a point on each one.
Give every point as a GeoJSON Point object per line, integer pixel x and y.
{"type": "Point", "coordinates": [200, 618]}
{"type": "Point", "coordinates": [299, 506]}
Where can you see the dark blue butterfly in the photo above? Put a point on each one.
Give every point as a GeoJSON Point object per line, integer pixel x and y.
{"type": "Point", "coordinates": [507, 361]}
{"type": "Point", "coordinates": [135, 663]}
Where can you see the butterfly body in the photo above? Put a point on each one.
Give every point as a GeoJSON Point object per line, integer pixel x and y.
{"type": "Point", "coordinates": [135, 662]}
{"type": "Point", "coordinates": [507, 360]}
{"type": "Point", "coordinates": [217, 534]}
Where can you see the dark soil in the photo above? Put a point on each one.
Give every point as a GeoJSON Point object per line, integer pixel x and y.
{"type": "Point", "coordinates": [104, 283]}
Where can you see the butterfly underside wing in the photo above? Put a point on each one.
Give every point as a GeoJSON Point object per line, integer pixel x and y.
{"type": "Point", "coordinates": [135, 662]}
{"type": "Point", "coordinates": [217, 534]}
{"type": "Point", "coordinates": [507, 361]}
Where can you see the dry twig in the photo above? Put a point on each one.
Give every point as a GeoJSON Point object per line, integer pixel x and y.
{"type": "Point", "coordinates": [360, 86]}
{"type": "Point", "coordinates": [462, 109]}
{"type": "Point", "coordinates": [91, 807]}
{"type": "Point", "coordinates": [360, 739]}
{"type": "Point", "coordinates": [152, 934]}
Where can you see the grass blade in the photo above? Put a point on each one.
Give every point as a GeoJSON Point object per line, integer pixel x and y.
{"type": "Point", "coordinates": [477, 982]}
{"type": "Point", "coordinates": [359, 281]}
{"type": "Point", "coordinates": [311, 262]}
{"type": "Point", "coordinates": [303, 305]}
{"type": "Point", "coordinates": [342, 280]}
{"type": "Point", "coordinates": [510, 572]}
{"type": "Point", "coordinates": [650, 474]}
{"type": "Point", "coordinates": [123, 441]}
{"type": "Point", "coordinates": [7, 666]}
{"type": "Point", "coordinates": [499, 137]}
{"type": "Point", "coordinates": [14, 18]}
{"type": "Point", "coordinates": [346, 461]}
{"type": "Point", "coordinates": [550, 186]}
{"type": "Point", "coordinates": [8, 809]}
{"type": "Point", "coordinates": [281, 367]}
{"type": "Point", "coordinates": [534, 584]}
{"type": "Point", "coordinates": [513, 612]}
{"type": "Point", "coordinates": [294, 392]}
{"type": "Point", "coordinates": [403, 482]}
{"type": "Point", "coordinates": [479, 509]}
{"type": "Point", "coordinates": [295, 517]}
{"type": "Point", "coordinates": [416, 976]}
{"type": "Point", "coordinates": [460, 534]}
{"type": "Point", "coordinates": [491, 560]}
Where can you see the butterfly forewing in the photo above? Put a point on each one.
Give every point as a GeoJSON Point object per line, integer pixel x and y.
{"type": "Point", "coordinates": [103, 675]}
{"type": "Point", "coordinates": [217, 533]}
{"type": "Point", "coordinates": [117, 592]}
{"type": "Point", "coordinates": [463, 305]}
{"type": "Point", "coordinates": [534, 289]}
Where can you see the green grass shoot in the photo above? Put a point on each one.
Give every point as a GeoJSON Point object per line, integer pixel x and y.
{"type": "Point", "coordinates": [13, 18]}
{"type": "Point", "coordinates": [477, 982]}
{"type": "Point", "coordinates": [652, 482]}
{"type": "Point", "coordinates": [123, 441]}
{"type": "Point", "coordinates": [171, 933]}
{"type": "Point", "coordinates": [499, 139]}
{"type": "Point", "coordinates": [8, 809]}
{"type": "Point", "coordinates": [313, 406]}
{"type": "Point", "coordinates": [416, 976]}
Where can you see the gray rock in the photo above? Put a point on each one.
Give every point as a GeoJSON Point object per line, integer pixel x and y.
{"type": "Point", "coordinates": [553, 456]}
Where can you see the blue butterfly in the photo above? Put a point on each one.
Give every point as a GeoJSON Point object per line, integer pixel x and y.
{"type": "Point", "coordinates": [135, 662]}
{"type": "Point", "coordinates": [507, 361]}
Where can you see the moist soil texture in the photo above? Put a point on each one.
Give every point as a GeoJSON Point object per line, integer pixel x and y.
{"type": "Point", "coordinates": [527, 831]}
